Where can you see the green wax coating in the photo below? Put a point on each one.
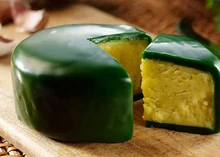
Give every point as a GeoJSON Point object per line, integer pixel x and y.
{"type": "Point", "coordinates": [69, 89]}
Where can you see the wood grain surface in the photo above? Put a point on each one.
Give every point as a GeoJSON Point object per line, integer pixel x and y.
{"type": "Point", "coordinates": [146, 142]}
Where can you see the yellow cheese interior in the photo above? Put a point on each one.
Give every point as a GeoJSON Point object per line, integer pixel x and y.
{"type": "Point", "coordinates": [128, 53]}
{"type": "Point", "coordinates": [176, 94]}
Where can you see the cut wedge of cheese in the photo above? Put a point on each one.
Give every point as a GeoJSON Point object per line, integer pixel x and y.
{"type": "Point", "coordinates": [181, 85]}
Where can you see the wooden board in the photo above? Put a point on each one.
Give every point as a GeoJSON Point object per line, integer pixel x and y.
{"type": "Point", "coordinates": [146, 142]}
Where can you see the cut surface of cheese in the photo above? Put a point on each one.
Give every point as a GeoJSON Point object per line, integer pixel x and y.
{"type": "Point", "coordinates": [128, 53]}
{"type": "Point", "coordinates": [177, 94]}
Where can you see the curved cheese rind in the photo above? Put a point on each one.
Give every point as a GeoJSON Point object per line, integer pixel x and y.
{"type": "Point", "coordinates": [175, 62]}
{"type": "Point", "coordinates": [69, 89]}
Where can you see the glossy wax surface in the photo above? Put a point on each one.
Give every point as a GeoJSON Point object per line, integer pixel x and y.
{"type": "Point", "coordinates": [187, 52]}
{"type": "Point", "coordinates": [66, 87]}
{"type": "Point", "coordinates": [66, 45]}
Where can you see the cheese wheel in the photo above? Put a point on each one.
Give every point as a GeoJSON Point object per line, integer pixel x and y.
{"type": "Point", "coordinates": [181, 85]}
{"type": "Point", "coordinates": [69, 89]}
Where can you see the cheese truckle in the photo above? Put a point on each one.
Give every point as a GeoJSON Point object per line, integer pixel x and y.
{"type": "Point", "coordinates": [76, 82]}
{"type": "Point", "coordinates": [181, 85]}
